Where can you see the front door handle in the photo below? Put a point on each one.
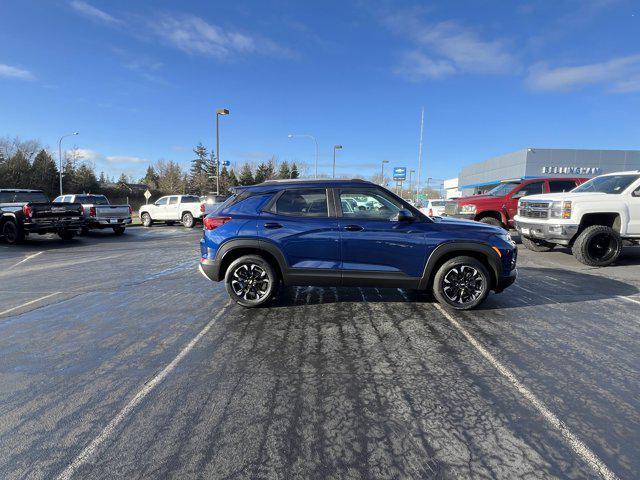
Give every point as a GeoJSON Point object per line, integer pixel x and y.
{"type": "Point", "coordinates": [272, 225]}
{"type": "Point", "coordinates": [353, 228]}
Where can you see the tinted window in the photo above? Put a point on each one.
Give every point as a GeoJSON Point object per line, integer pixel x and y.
{"type": "Point", "coordinates": [534, 188]}
{"type": "Point", "coordinates": [94, 199]}
{"type": "Point", "coordinates": [556, 186]}
{"type": "Point", "coordinates": [162, 201]}
{"type": "Point", "coordinates": [173, 200]}
{"type": "Point", "coordinates": [34, 197]}
{"type": "Point", "coordinates": [369, 203]}
{"type": "Point", "coordinates": [304, 202]}
{"type": "Point", "coordinates": [6, 197]}
{"type": "Point", "coordinates": [612, 184]}
{"type": "Point", "coordinates": [190, 199]}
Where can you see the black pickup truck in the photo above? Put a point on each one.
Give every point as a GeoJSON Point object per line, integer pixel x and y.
{"type": "Point", "coordinates": [29, 211]}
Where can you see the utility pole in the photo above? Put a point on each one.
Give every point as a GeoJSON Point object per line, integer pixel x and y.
{"type": "Point", "coordinates": [335, 147]}
{"type": "Point", "coordinates": [220, 111]}
{"type": "Point", "coordinates": [420, 153]}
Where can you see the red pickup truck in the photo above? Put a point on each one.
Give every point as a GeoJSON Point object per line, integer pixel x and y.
{"type": "Point", "coordinates": [499, 205]}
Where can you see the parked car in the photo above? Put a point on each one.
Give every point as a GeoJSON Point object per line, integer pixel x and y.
{"type": "Point", "coordinates": [211, 203]}
{"type": "Point", "coordinates": [29, 211]}
{"type": "Point", "coordinates": [436, 207]}
{"type": "Point", "coordinates": [171, 209]}
{"type": "Point", "coordinates": [99, 213]}
{"type": "Point", "coordinates": [310, 233]}
{"type": "Point", "coordinates": [499, 206]}
{"type": "Point", "coordinates": [593, 219]}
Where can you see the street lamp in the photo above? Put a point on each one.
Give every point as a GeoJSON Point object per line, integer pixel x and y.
{"type": "Point", "coordinates": [220, 111]}
{"type": "Point", "coordinates": [291, 136]}
{"type": "Point", "coordinates": [60, 154]}
{"type": "Point", "coordinates": [382, 172]}
{"type": "Point", "coordinates": [410, 174]}
{"type": "Point", "coordinates": [335, 147]}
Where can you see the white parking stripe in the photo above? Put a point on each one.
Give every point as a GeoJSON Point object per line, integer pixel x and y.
{"type": "Point", "coordinates": [29, 303]}
{"type": "Point", "coordinates": [629, 299]}
{"type": "Point", "coordinates": [577, 445]}
{"type": "Point", "coordinates": [90, 449]}
{"type": "Point", "coordinates": [27, 258]}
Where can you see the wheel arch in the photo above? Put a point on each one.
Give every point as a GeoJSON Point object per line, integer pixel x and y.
{"type": "Point", "coordinates": [446, 251]}
{"type": "Point", "coordinates": [606, 219]}
{"type": "Point", "coordinates": [490, 213]}
{"type": "Point", "coordinates": [234, 249]}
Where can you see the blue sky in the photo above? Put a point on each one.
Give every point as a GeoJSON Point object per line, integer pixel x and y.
{"type": "Point", "coordinates": [141, 80]}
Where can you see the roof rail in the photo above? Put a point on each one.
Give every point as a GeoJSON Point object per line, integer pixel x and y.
{"type": "Point", "coordinates": [311, 180]}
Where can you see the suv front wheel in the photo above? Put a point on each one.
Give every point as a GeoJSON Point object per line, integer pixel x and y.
{"type": "Point", "coordinates": [251, 281]}
{"type": "Point", "coordinates": [461, 283]}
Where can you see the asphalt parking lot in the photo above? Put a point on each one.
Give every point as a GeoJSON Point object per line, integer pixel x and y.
{"type": "Point", "coordinates": [119, 360]}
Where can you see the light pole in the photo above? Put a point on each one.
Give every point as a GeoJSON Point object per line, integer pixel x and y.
{"type": "Point", "coordinates": [220, 111]}
{"type": "Point", "coordinates": [410, 174]}
{"type": "Point", "coordinates": [292, 135]}
{"type": "Point", "coordinates": [335, 147]}
{"type": "Point", "coordinates": [382, 172]}
{"type": "Point", "coordinates": [60, 154]}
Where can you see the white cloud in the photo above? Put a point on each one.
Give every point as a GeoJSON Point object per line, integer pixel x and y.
{"type": "Point", "coordinates": [620, 74]}
{"type": "Point", "coordinates": [85, 154]}
{"type": "Point", "coordinates": [193, 35]}
{"type": "Point", "coordinates": [445, 48]}
{"type": "Point", "coordinates": [126, 159]}
{"type": "Point", "coordinates": [92, 12]}
{"type": "Point", "coordinates": [8, 71]}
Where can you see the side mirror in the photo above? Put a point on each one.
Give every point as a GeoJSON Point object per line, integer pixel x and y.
{"type": "Point", "coordinates": [519, 195]}
{"type": "Point", "coordinates": [404, 216]}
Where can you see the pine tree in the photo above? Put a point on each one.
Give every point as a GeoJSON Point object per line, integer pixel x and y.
{"type": "Point", "coordinates": [69, 175]}
{"type": "Point", "coordinates": [294, 171]}
{"type": "Point", "coordinates": [102, 180]}
{"type": "Point", "coordinates": [262, 173]}
{"type": "Point", "coordinates": [199, 175]}
{"type": "Point", "coordinates": [233, 179]}
{"type": "Point", "coordinates": [44, 173]}
{"type": "Point", "coordinates": [246, 176]}
{"type": "Point", "coordinates": [270, 171]}
{"type": "Point", "coordinates": [86, 180]}
{"type": "Point", "coordinates": [16, 171]}
{"type": "Point", "coordinates": [123, 178]}
{"type": "Point", "coordinates": [283, 171]}
{"type": "Point", "coordinates": [151, 178]}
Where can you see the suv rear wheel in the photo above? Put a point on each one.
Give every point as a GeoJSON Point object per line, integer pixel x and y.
{"type": "Point", "coordinates": [597, 246]}
{"type": "Point", "coordinates": [251, 281]}
{"type": "Point", "coordinates": [537, 245]}
{"type": "Point", "coordinates": [461, 283]}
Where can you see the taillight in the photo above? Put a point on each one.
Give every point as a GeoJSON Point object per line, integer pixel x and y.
{"type": "Point", "coordinates": [92, 211]}
{"type": "Point", "coordinates": [430, 212]}
{"type": "Point", "coordinates": [202, 207]}
{"type": "Point", "coordinates": [26, 209]}
{"type": "Point", "coordinates": [130, 210]}
{"type": "Point", "coordinates": [214, 222]}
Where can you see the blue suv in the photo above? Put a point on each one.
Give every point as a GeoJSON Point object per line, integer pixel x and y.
{"type": "Point", "coordinates": [349, 233]}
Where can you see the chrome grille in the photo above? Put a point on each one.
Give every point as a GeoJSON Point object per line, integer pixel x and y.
{"type": "Point", "coordinates": [532, 209]}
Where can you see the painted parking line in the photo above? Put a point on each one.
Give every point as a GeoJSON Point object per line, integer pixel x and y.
{"type": "Point", "coordinates": [577, 445]}
{"type": "Point", "coordinates": [29, 303]}
{"type": "Point", "coordinates": [629, 299]}
{"type": "Point", "coordinates": [25, 259]}
{"type": "Point", "coordinates": [86, 454]}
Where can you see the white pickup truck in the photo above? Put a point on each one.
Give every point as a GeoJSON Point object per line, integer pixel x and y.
{"type": "Point", "coordinates": [99, 213]}
{"type": "Point", "coordinates": [171, 209]}
{"type": "Point", "coordinates": [594, 219]}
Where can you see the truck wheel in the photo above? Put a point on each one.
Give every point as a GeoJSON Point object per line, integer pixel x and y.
{"type": "Point", "coordinates": [118, 230]}
{"type": "Point", "coordinates": [492, 221]}
{"type": "Point", "coordinates": [537, 245]}
{"type": "Point", "coordinates": [461, 283]}
{"type": "Point", "coordinates": [251, 281]}
{"type": "Point", "coordinates": [12, 233]}
{"type": "Point", "coordinates": [597, 246]}
{"type": "Point", "coordinates": [188, 220]}
{"type": "Point", "coordinates": [66, 235]}
{"type": "Point", "coordinates": [146, 219]}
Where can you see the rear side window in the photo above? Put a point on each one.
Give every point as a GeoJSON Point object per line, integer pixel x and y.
{"type": "Point", "coordinates": [173, 200]}
{"type": "Point", "coordinates": [557, 186]}
{"type": "Point", "coordinates": [303, 202]}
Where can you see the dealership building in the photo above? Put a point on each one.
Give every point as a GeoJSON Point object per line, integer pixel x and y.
{"type": "Point", "coordinates": [544, 162]}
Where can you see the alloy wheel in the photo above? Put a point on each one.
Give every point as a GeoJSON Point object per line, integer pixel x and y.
{"type": "Point", "coordinates": [250, 281]}
{"type": "Point", "coordinates": [601, 247]}
{"type": "Point", "coordinates": [463, 284]}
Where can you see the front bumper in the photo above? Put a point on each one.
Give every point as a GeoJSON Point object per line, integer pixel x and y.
{"type": "Point", "coordinates": [210, 269]}
{"type": "Point", "coordinates": [506, 280]}
{"type": "Point", "coordinates": [559, 233]}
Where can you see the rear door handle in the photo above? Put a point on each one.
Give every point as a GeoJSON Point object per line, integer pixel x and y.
{"type": "Point", "coordinates": [272, 225]}
{"type": "Point", "coordinates": [353, 228]}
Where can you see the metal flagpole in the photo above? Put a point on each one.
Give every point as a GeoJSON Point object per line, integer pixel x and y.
{"type": "Point", "coordinates": [420, 154]}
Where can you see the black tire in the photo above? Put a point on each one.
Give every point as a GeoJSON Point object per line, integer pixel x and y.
{"type": "Point", "coordinates": [597, 246]}
{"type": "Point", "coordinates": [118, 230]}
{"type": "Point", "coordinates": [66, 235]}
{"type": "Point", "coordinates": [187, 220]}
{"type": "Point", "coordinates": [145, 218]}
{"type": "Point", "coordinates": [84, 230]}
{"type": "Point", "coordinates": [251, 281]}
{"type": "Point", "coordinates": [491, 221]}
{"type": "Point", "coordinates": [537, 245]}
{"type": "Point", "coordinates": [12, 232]}
{"type": "Point", "coordinates": [467, 271]}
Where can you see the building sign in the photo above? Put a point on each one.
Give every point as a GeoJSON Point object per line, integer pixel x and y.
{"type": "Point", "coordinates": [400, 173]}
{"type": "Point", "coordinates": [572, 170]}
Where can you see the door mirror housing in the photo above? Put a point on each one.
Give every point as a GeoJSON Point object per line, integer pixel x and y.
{"type": "Point", "coordinates": [519, 195]}
{"type": "Point", "coordinates": [404, 216]}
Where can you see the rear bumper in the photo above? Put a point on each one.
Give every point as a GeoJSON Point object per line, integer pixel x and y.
{"type": "Point", "coordinates": [108, 222]}
{"type": "Point", "coordinates": [210, 269]}
{"type": "Point", "coordinates": [52, 226]}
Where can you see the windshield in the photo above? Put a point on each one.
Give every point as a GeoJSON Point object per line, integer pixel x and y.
{"type": "Point", "coordinates": [92, 199]}
{"type": "Point", "coordinates": [612, 184]}
{"type": "Point", "coordinates": [502, 189]}
{"type": "Point", "coordinates": [23, 197]}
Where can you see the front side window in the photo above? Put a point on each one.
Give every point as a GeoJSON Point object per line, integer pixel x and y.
{"type": "Point", "coordinates": [369, 203]}
{"type": "Point", "coordinates": [534, 188]}
{"type": "Point", "coordinates": [303, 202]}
{"type": "Point", "coordinates": [557, 186]}
{"type": "Point", "coordinates": [162, 201]}
{"type": "Point", "coordinates": [611, 184]}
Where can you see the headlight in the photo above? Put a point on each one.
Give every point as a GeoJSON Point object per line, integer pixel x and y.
{"type": "Point", "coordinates": [470, 208]}
{"type": "Point", "coordinates": [561, 209]}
